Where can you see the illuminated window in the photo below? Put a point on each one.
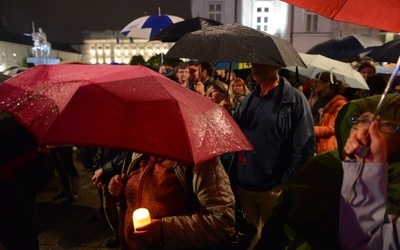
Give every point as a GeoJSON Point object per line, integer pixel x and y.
{"type": "Point", "coordinates": [107, 50]}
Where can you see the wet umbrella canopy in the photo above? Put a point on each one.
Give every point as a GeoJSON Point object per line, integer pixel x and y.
{"type": "Point", "coordinates": [384, 15]}
{"type": "Point", "coordinates": [388, 52]}
{"type": "Point", "coordinates": [175, 31]}
{"type": "Point", "coordinates": [235, 43]}
{"type": "Point", "coordinates": [119, 106]}
{"type": "Point", "coordinates": [343, 71]}
{"type": "Point", "coordinates": [345, 48]}
{"type": "Point", "coordinates": [147, 27]}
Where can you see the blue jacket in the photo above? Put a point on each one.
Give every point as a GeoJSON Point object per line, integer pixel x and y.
{"type": "Point", "coordinates": [281, 147]}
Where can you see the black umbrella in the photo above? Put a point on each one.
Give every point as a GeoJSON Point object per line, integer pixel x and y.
{"type": "Point", "coordinates": [175, 31]}
{"type": "Point", "coordinates": [388, 52]}
{"type": "Point", "coordinates": [346, 48]}
{"type": "Point", "coordinates": [235, 43]}
{"type": "Point", "coordinates": [4, 77]}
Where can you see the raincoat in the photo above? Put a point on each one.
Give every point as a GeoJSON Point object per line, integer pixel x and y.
{"type": "Point", "coordinates": [307, 213]}
{"type": "Point", "coordinates": [363, 224]}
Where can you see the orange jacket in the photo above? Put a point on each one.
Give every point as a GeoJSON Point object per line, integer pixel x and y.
{"type": "Point", "coordinates": [325, 130]}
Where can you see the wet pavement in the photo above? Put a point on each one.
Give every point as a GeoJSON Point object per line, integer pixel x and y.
{"type": "Point", "coordinates": [72, 226]}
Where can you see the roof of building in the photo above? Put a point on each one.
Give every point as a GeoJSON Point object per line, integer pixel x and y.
{"type": "Point", "coordinates": [11, 37]}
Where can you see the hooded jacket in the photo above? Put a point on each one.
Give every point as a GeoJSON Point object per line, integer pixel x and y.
{"type": "Point", "coordinates": [307, 214]}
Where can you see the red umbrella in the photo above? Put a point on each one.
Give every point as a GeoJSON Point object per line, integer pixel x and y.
{"type": "Point", "coordinates": [127, 107]}
{"type": "Point", "coordinates": [384, 15]}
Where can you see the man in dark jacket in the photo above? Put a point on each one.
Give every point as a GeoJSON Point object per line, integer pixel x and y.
{"type": "Point", "coordinates": [204, 76]}
{"type": "Point", "coordinates": [276, 119]}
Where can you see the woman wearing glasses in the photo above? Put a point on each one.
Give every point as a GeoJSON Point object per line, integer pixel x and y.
{"type": "Point", "coordinates": [310, 207]}
{"type": "Point", "coordinates": [366, 220]}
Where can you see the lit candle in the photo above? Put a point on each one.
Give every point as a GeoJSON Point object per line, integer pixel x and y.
{"type": "Point", "coordinates": [141, 217]}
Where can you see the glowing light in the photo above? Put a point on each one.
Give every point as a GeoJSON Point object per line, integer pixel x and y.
{"type": "Point", "coordinates": [141, 217]}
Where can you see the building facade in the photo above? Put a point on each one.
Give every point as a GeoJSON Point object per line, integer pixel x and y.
{"type": "Point", "coordinates": [303, 29]}
{"type": "Point", "coordinates": [112, 47]}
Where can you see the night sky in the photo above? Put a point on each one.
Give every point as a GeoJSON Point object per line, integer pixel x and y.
{"type": "Point", "coordinates": [63, 21]}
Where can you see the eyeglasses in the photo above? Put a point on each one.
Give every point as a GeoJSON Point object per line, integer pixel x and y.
{"type": "Point", "coordinates": [387, 127]}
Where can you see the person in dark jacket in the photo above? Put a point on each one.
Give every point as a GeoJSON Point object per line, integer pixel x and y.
{"type": "Point", "coordinates": [276, 119]}
{"type": "Point", "coordinates": [108, 163]}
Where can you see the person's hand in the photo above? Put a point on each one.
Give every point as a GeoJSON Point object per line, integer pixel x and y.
{"type": "Point", "coordinates": [150, 234]}
{"type": "Point", "coordinates": [199, 88]}
{"type": "Point", "coordinates": [377, 146]}
{"type": "Point", "coordinates": [98, 178]}
{"type": "Point", "coordinates": [116, 185]}
{"type": "Point", "coordinates": [162, 70]}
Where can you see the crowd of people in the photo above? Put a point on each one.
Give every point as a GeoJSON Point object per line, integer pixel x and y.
{"type": "Point", "coordinates": [304, 185]}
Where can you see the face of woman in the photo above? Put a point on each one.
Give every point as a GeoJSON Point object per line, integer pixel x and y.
{"type": "Point", "coordinates": [367, 72]}
{"type": "Point", "coordinates": [238, 88]}
{"type": "Point", "coordinates": [392, 140]}
{"type": "Point", "coordinates": [215, 95]}
{"type": "Point", "coordinates": [321, 87]}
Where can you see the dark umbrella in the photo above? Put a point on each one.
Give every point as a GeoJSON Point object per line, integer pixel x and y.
{"type": "Point", "coordinates": [236, 43]}
{"type": "Point", "coordinates": [4, 77]}
{"type": "Point", "coordinates": [175, 31]}
{"type": "Point", "coordinates": [388, 52]}
{"type": "Point", "coordinates": [346, 48]}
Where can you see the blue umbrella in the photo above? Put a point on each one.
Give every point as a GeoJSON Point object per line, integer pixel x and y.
{"type": "Point", "coordinates": [147, 27]}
